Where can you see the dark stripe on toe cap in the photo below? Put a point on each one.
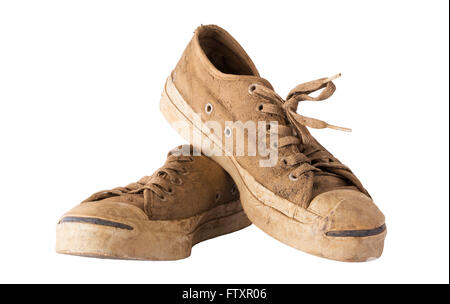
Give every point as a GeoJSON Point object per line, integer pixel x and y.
{"type": "Point", "coordinates": [357, 233]}
{"type": "Point", "coordinates": [95, 221]}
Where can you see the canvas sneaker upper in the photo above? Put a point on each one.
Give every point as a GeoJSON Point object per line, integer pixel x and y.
{"type": "Point", "coordinates": [215, 70]}
{"type": "Point", "coordinates": [184, 186]}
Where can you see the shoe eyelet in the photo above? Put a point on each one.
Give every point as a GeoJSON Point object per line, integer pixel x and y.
{"type": "Point", "coordinates": [284, 162]}
{"type": "Point", "coordinates": [251, 88]}
{"type": "Point", "coordinates": [228, 132]}
{"type": "Point", "coordinates": [176, 181]}
{"type": "Point", "coordinates": [169, 191]}
{"type": "Point", "coordinates": [260, 107]}
{"type": "Point", "coordinates": [209, 108]}
{"type": "Point", "coordinates": [274, 145]}
{"type": "Point", "coordinates": [292, 177]}
{"type": "Point", "coordinates": [234, 189]}
{"type": "Point", "coordinates": [162, 198]}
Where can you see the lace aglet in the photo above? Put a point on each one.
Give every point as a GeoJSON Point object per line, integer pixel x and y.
{"type": "Point", "coordinates": [339, 128]}
{"type": "Point", "coordinates": [334, 77]}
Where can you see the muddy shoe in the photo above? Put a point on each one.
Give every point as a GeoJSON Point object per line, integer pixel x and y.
{"type": "Point", "coordinates": [291, 187]}
{"type": "Point", "coordinates": [160, 217]}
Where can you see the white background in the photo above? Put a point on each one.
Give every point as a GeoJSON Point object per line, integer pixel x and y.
{"type": "Point", "coordinates": [80, 83]}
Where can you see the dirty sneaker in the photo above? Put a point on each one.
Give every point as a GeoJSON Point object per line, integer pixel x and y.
{"type": "Point", "coordinates": [188, 200]}
{"type": "Point", "coordinates": [291, 187]}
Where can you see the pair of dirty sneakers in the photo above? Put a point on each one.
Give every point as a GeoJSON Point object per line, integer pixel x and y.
{"type": "Point", "coordinates": [296, 191]}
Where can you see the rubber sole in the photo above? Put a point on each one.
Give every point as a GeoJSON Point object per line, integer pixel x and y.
{"type": "Point", "coordinates": [147, 240]}
{"type": "Point", "coordinates": [279, 218]}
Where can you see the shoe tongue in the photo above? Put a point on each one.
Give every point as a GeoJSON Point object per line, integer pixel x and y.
{"type": "Point", "coordinates": [265, 83]}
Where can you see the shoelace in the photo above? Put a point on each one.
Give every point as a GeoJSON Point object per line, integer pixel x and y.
{"type": "Point", "coordinates": [159, 183]}
{"type": "Point", "coordinates": [275, 105]}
